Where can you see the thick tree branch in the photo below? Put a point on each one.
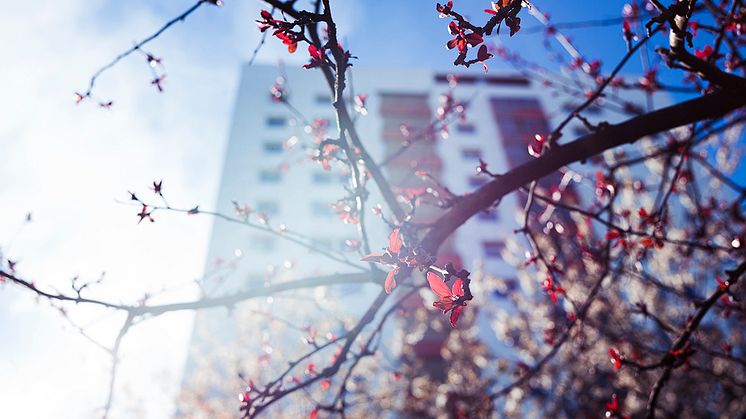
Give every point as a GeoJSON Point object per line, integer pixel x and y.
{"type": "Point", "coordinates": [706, 107]}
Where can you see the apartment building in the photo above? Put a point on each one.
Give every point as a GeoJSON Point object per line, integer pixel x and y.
{"type": "Point", "coordinates": [270, 176]}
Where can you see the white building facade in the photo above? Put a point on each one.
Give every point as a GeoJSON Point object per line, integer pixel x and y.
{"type": "Point", "coordinates": [270, 178]}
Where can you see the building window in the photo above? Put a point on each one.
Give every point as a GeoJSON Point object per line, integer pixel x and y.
{"type": "Point", "coordinates": [325, 242]}
{"type": "Point", "coordinates": [405, 105]}
{"type": "Point", "coordinates": [580, 131]}
{"type": "Point", "coordinates": [505, 288]}
{"type": "Point", "coordinates": [268, 207]}
{"type": "Point", "coordinates": [272, 147]}
{"type": "Point", "coordinates": [490, 215]}
{"type": "Point", "coordinates": [270, 176]}
{"type": "Point", "coordinates": [466, 128]}
{"type": "Point", "coordinates": [322, 177]}
{"type": "Point", "coordinates": [518, 121]}
{"type": "Point", "coordinates": [277, 121]}
{"type": "Point", "coordinates": [477, 181]}
{"type": "Point", "coordinates": [323, 99]}
{"type": "Point", "coordinates": [321, 209]}
{"type": "Point", "coordinates": [263, 244]}
{"type": "Point", "coordinates": [493, 249]}
{"type": "Point", "coordinates": [471, 153]}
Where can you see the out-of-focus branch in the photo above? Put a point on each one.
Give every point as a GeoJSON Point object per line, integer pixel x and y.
{"type": "Point", "coordinates": [137, 46]}
{"type": "Point", "coordinates": [223, 301]}
{"type": "Point", "coordinates": [679, 346]}
{"type": "Point", "coordinates": [115, 362]}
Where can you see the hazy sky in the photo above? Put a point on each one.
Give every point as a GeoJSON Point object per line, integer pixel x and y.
{"type": "Point", "coordinates": [68, 165]}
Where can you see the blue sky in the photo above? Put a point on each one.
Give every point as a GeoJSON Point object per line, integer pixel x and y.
{"type": "Point", "coordinates": [68, 164]}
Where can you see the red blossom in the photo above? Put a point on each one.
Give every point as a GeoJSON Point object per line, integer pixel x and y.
{"type": "Point", "coordinates": [289, 39]}
{"type": "Point", "coordinates": [707, 54]}
{"type": "Point", "coordinates": [158, 82]}
{"type": "Point", "coordinates": [449, 298]}
{"type": "Point", "coordinates": [551, 289]}
{"type": "Point", "coordinates": [395, 241]}
{"type": "Point", "coordinates": [603, 186]}
{"type": "Point", "coordinates": [613, 235]}
{"type": "Point", "coordinates": [629, 36]}
{"type": "Point", "coordinates": [317, 56]}
{"type": "Point", "coordinates": [390, 283]}
{"type": "Point", "coordinates": [144, 213]}
{"type": "Point", "coordinates": [482, 56]}
{"type": "Point", "coordinates": [649, 242]}
{"type": "Point", "coordinates": [462, 40]}
{"type": "Point", "coordinates": [360, 104]}
{"type": "Point", "coordinates": [391, 257]}
{"type": "Point", "coordinates": [153, 61]}
{"type": "Point", "coordinates": [267, 21]}
{"type": "Point", "coordinates": [158, 187]}
{"type": "Point", "coordinates": [613, 405]}
{"type": "Point", "coordinates": [694, 26]}
{"type": "Point", "coordinates": [444, 10]}
{"type": "Point", "coordinates": [615, 358]}
{"type": "Point", "coordinates": [536, 147]}
{"type": "Point", "coordinates": [649, 82]}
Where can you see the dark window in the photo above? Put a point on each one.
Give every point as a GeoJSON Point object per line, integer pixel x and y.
{"type": "Point", "coordinates": [493, 249]}
{"type": "Point", "coordinates": [268, 207]}
{"type": "Point", "coordinates": [272, 147]}
{"type": "Point", "coordinates": [471, 153]}
{"type": "Point", "coordinates": [572, 107]}
{"type": "Point", "coordinates": [580, 131]}
{"type": "Point", "coordinates": [518, 120]}
{"type": "Point", "coordinates": [505, 287]}
{"type": "Point", "coordinates": [466, 128]}
{"type": "Point", "coordinates": [464, 79]}
{"type": "Point", "coordinates": [403, 105]}
{"type": "Point", "coordinates": [270, 176]}
{"type": "Point", "coordinates": [322, 177]}
{"type": "Point", "coordinates": [490, 215]}
{"type": "Point", "coordinates": [325, 242]}
{"type": "Point", "coordinates": [321, 209]}
{"type": "Point", "coordinates": [277, 121]}
{"type": "Point", "coordinates": [477, 181]}
{"type": "Point", "coordinates": [515, 81]}
{"type": "Point", "coordinates": [458, 78]}
{"type": "Point", "coordinates": [323, 99]}
{"type": "Point", "coordinates": [263, 244]}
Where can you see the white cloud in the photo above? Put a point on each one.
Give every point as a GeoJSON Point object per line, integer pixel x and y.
{"type": "Point", "coordinates": [67, 164]}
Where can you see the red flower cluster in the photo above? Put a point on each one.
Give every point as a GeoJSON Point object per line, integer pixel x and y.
{"type": "Point", "coordinates": [317, 56]}
{"type": "Point", "coordinates": [461, 39]}
{"type": "Point", "coordinates": [512, 20]}
{"type": "Point", "coordinates": [537, 146]}
{"type": "Point", "coordinates": [707, 54]}
{"type": "Point", "coordinates": [615, 359]}
{"type": "Point", "coordinates": [449, 298]}
{"type": "Point", "coordinates": [392, 258]}
{"type": "Point", "coordinates": [283, 30]}
{"type": "Point", "coordinates": [551, 289]}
